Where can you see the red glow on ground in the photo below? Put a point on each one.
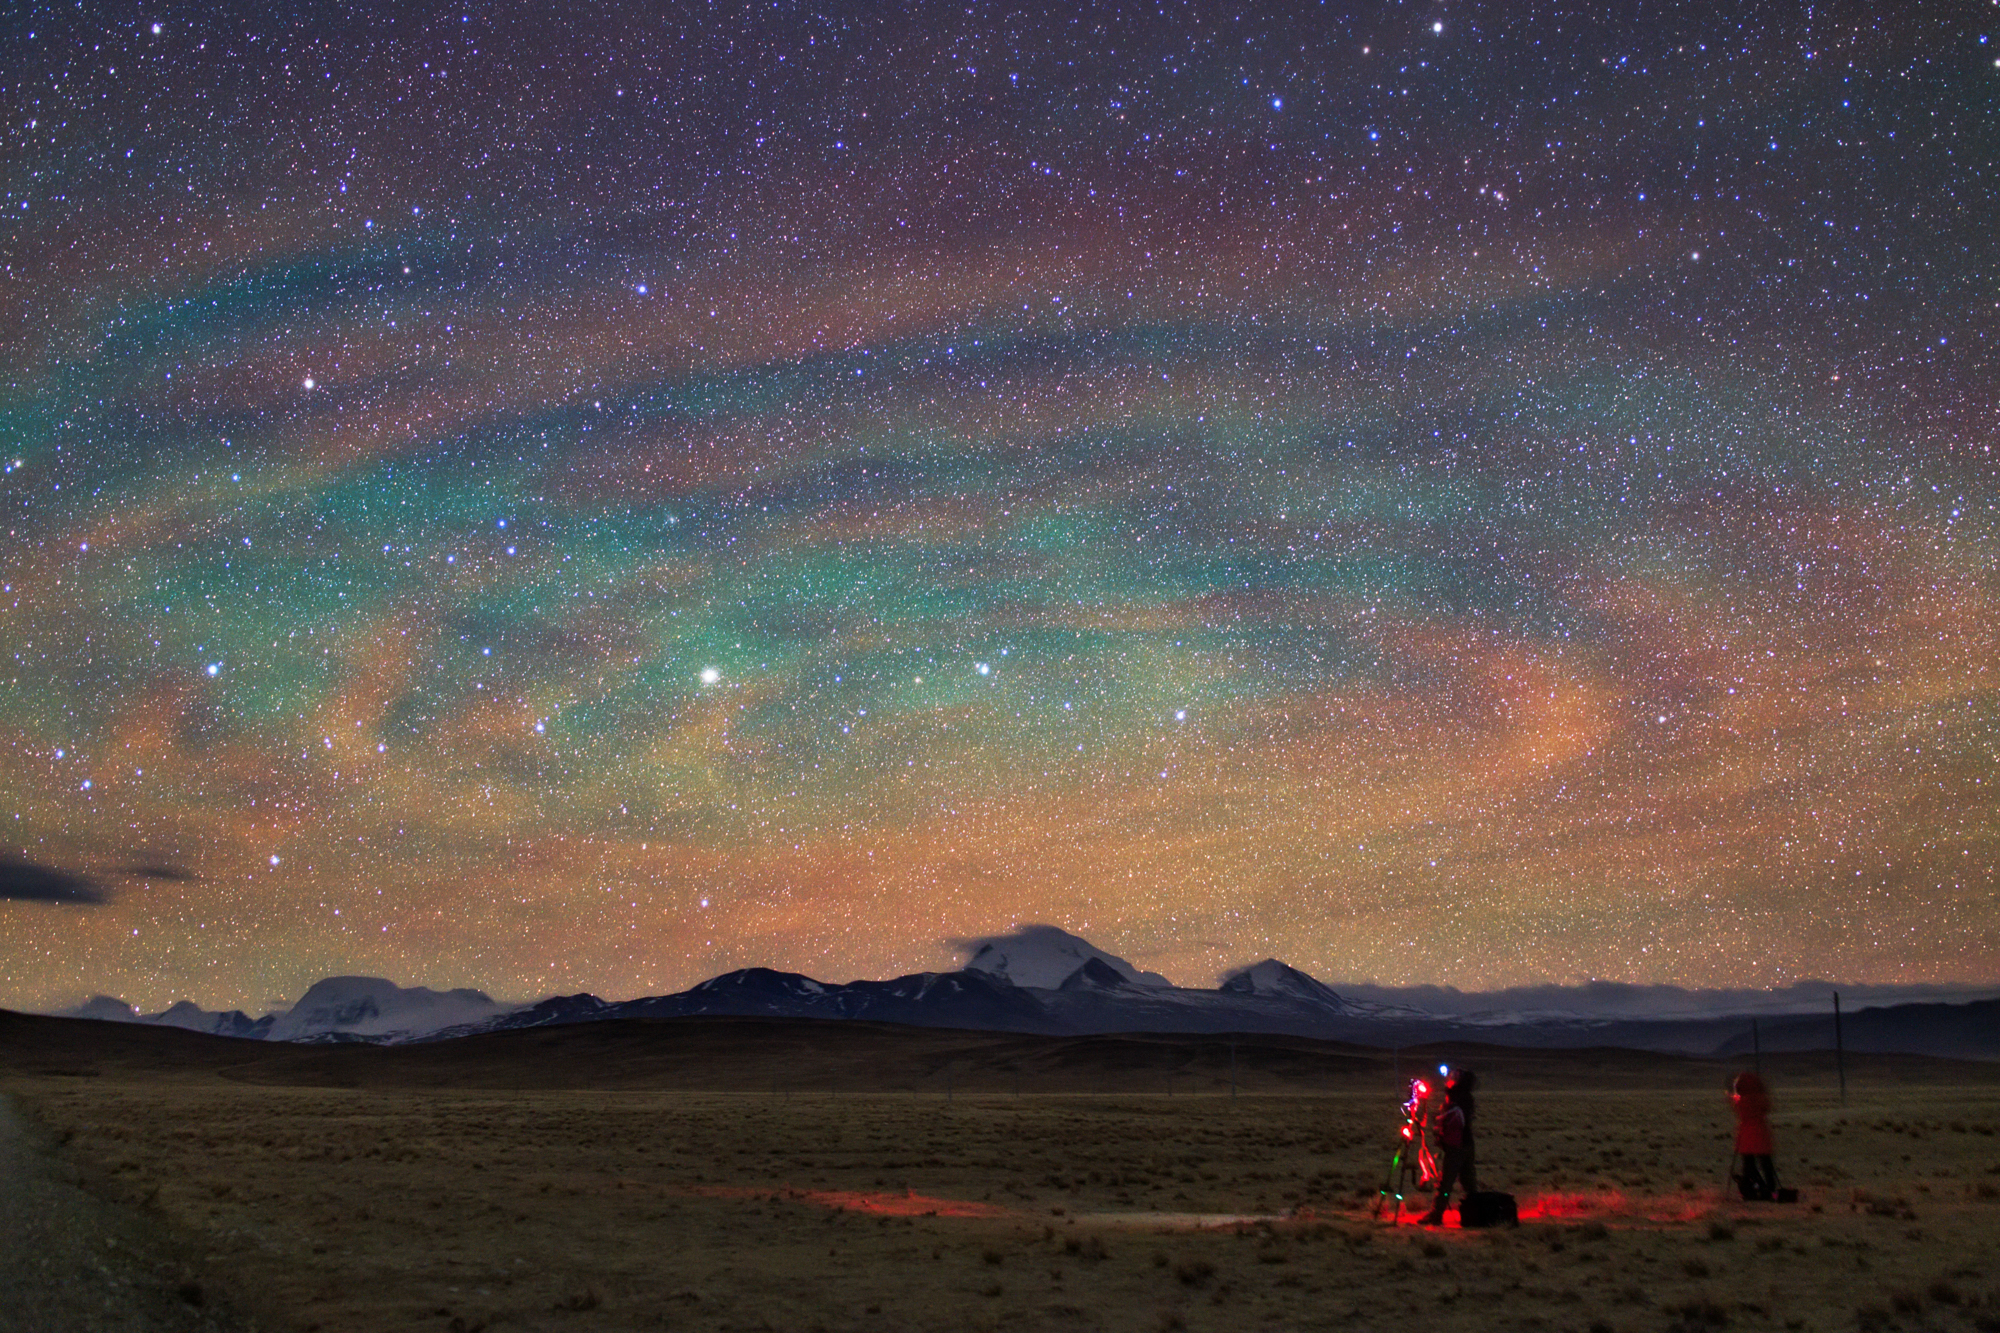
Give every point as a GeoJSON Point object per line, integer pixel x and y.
{"type": "Point", "coordinates": [902, 1205]}
{"type": "Point", "coordinates": [1612, 1206]}
{"type": "Point", "coordinates": [1566, 1207]}
{"type": "Point", "coordinates": [876, 1203]}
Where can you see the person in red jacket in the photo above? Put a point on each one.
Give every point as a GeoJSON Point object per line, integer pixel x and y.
{"type": "Point", "coordinates": [1454, 1130]}
{"type": "Point", "coordinates": [1752, 1104]}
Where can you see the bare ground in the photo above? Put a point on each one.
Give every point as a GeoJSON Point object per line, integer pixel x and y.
{"type": "Point", "coordinates": [72, 1262]}
{"type": "Point", "coordinates": [449, 1210]}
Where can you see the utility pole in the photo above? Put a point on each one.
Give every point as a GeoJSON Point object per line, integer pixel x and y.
{"type": "Point", "coordinates": [1839, 1049]}
{"type": "Point", "coordinates": [1232, 1071]}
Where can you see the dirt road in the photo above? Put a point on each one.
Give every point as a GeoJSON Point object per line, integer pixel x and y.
{"type": "Point", "coordinates": [70, 1263]}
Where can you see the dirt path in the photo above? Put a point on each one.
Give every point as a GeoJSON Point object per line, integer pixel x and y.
{"type": "Point", "coordinates": [71, 1263]}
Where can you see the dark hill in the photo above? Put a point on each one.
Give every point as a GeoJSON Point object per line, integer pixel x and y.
{"type": "Point", "coordinates": [776, 1056]}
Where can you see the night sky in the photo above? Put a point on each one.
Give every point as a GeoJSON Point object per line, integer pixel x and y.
{"type": "Point", "coordinates": [557, 496]}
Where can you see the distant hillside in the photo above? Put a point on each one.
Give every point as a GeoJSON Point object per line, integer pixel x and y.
{"type": "Point", "coordinates": [1047, 982]}
{"type": "Point", "coordinates": [821, 1058]}
{"type": "Point", "coordinates": [1963, 1031]}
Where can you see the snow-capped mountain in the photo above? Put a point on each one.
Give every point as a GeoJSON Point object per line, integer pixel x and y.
{"type": "Point", "coordinates": [1274, 979]}
{"type": "Point", "coordinates": [231, 1023]}
{"type": "Point", "coordinates": [1046, 981]}
{"type": "Point", "coordinates": [924, 999]}
{"type": "Point", "coordinates": [1093, 992]}
{"type": "Point", "coordinates": [105, 1009]}
{"type": "Point", "coordinates": [186, 1014]}
{"type": "Point", "coordinates": [1046, 958]}
{"type": "Point", "coordinates": [372, 1009]}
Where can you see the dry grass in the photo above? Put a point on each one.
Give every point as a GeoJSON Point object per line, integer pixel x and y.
{"type": "Point", "coordinates": [448, 1211]}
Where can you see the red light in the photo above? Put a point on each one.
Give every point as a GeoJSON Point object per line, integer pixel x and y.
{"type": "Point", "coordinates": [1406, 1131]}
{"type": "Point", "coordinates": [1423, 1089]}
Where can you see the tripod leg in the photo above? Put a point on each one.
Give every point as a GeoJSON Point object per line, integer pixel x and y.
{"type": "Point", "coordinates": [1388, 1182]}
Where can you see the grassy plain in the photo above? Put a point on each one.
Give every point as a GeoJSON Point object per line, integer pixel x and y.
{"type": "Point", "coordinates": [448, 1209]}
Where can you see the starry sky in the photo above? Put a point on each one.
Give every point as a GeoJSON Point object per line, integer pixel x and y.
{"type": "Point", "coordinates": [554, 497]}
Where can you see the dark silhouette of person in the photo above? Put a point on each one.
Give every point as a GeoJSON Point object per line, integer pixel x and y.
{"type": "Point", "coordinates": [1454, 1130]}
{"type": "Point", "coordinates": [1751, 1102]}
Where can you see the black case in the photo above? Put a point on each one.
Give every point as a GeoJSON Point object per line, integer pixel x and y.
{"type": "Point", "coordinates": [1488, 1208]}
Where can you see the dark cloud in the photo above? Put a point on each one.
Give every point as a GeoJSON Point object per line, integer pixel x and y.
{"type": "Point", "coordinates": [1609, 1000]}
{"type": "Point", "coordinates": [164, 873]}
{"type": "Point", "coordinates": [22, 880]}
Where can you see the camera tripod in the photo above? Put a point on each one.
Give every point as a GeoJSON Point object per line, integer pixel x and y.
{"type": "Point", "coordinates": [1413, 1156]}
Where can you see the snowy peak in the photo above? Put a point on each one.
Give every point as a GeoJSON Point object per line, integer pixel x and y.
{"type": "Point", "coordinates": [370, 1008]}
{"type": "Point", "coordinates": [1095, 974]}
{"type": "Point", "coordinates": [234, 1023]}
{"type": "Point", "coordinates": [1047, 957]}
{"type": "Point", "coordinates": [105, 1009]}
{"type": "Point", "coordinates": [762, 981]}
{"type": "Point", "coordinates": [186, 1014]}
{"type": "Point", "coordinates": [1274, 979]}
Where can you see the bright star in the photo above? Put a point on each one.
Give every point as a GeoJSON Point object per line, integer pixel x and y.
{"type": "Point", "coordinates": [710, 675]}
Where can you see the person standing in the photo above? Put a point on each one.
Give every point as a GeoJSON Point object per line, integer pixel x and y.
{"type": "Point", "coordinates": [1455, 1139]}
{"type": "Point", "coordinates": [1751, 1102]}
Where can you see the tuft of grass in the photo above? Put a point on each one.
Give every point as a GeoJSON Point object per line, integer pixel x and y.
{"type": "Point", "coordinates": [579, 1301]}
{"type": "Point", "coordinates": [1701, 1312]}
{"type": "Point", "coordinates": [1194, 1272]}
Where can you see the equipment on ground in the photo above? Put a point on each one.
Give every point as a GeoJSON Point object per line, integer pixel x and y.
{"type": "Point", "coordinates": [1413, 1155]}
{"type": "Point", "coordinates": [1488, 1208]}
{"type": "Point", "coordinates": [1782, 1194]}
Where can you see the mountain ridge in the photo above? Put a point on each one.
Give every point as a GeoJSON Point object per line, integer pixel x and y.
{"type": "Point", "coordinates": [1081, 990]}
